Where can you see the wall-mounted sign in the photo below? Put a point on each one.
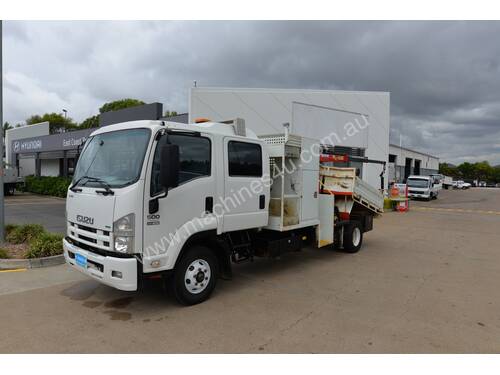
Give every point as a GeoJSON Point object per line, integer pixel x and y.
{"type": "Point", "coordinates": [54, 142]}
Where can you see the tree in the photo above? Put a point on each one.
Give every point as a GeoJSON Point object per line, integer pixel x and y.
{"type": "Point", "coordinates": [170, 113]}
{"type": "Point", "coordinates": [57, 122]}
{"type": "Point", "coordinates": [448, 170]}
{"type": "Point", "coordinates": [483, 171]}
{"type": "Point", "coordinates": [120, 104]}
{"type": "Point", "coordinates": [6, 126]}
{"type": "Point", "coordinates": [466, 171]}
{"type": "Point", "coordinates": [91, 122]}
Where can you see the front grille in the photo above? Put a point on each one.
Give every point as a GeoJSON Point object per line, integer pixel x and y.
{"type": "Point", "coordinates": [88, 239]}
{"type": "Point", "coordinates": [88, 229]}
{"type": "Point", "coordinates": [94, 238]}
{"type": "Point", "coordinates": [97, 251]}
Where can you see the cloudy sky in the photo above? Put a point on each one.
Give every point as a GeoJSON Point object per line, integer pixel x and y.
{"type": "Point", "coordinates": [444, 77]}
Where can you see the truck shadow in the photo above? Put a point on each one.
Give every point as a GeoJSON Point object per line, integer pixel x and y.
{"type": "Point", "coordinates": [151, 302]}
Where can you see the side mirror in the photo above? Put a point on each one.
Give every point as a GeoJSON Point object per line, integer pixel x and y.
{"type": "Point", "coordinates": [169, 173]}
{"type": "Point", "coordinates": [169, 167]}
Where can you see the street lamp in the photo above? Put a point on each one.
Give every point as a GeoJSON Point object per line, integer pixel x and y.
{"type": "Point", "coordinates": [65, 113]}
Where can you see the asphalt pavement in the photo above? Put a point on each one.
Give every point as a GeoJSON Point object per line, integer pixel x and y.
{"type": "Point", "coordinates": [424, 282]}
{"type": "Point", "coordinates": [36, 209]}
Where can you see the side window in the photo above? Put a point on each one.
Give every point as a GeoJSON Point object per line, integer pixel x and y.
{"type": "Point", "coordinates": [195, 159]}
{"type": "Point", "coordinates": [245, 159]}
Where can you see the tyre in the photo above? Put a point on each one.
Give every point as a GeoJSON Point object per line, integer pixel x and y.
{"type": "Point", "coordinates": [353, 237]}
{"type": "Point", "coordinates": [195, 276]}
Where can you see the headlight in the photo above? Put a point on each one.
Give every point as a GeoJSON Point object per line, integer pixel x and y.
{"type": "Point", "coordinates": [123, 231]}
{"type": "Point", "coordinates": [124, 244]}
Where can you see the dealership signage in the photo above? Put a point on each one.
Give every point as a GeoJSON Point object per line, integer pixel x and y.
{"type": "Point", "coordinates": [54, 142]}
{"type": "Point", "coordinates": [26, 146]}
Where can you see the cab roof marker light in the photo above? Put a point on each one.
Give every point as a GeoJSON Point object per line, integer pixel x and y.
{"type": "Point", "coordinates": [200, 120]}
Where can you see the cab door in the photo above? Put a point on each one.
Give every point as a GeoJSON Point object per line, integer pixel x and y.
{"type": "Point", "coordinates": [246, 195]}
{"type": "Point", "coordinates": [186, 207]}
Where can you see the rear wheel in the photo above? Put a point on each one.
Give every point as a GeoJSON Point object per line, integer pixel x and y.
{"type": "Point", "coordinates": [353, 237]}
{"type": "Point", "coordinates": [194, 276]}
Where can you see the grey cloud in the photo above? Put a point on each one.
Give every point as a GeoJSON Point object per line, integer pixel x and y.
{"type": "Point", "coordinates": [444, 77]}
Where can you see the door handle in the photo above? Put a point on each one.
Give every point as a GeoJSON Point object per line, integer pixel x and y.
{"type": "Point", "coordinates": [209, 205]}
{"type": "Point", "coordinates": [262, 202]}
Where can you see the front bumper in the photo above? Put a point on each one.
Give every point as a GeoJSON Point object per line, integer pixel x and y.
{"type": "Point", "coordinates": [419, 195]}
{"type": "Point", "coordinates": [119, 273]}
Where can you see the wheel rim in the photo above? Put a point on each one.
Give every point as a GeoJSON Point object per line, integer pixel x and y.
{"type": "Point", "coordinates": [197, 276]}
{"type": "Point", "coordinates": [356, 236]}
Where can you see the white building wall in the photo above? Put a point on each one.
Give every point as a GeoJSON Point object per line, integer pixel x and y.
{"type": "Point", "coordinates": [265, 111]}
{"type": "Point", "coordinates": [427, 161]}
{"type": "Point", "coordinates": [49, 167]}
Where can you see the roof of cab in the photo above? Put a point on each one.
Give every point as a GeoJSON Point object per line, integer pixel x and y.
{"type": "Point", "coordinates": [204, 127]}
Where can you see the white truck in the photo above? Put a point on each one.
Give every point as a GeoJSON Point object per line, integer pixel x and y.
{"type": "Point", "coordinates": [182, 202]}
{"type": "Point", "coordinates": [447, 182]}
{"type": "Point", "coordinates": [425, 187]}
{"type": "Point", "coordinates": [10, 179]}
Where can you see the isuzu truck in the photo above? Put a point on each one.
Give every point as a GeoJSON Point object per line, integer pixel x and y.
{"type": "Point", "coordinates": [183, 202]}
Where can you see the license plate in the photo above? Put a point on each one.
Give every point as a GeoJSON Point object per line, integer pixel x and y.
{"type": "Point", "coordinates": [81, 260]}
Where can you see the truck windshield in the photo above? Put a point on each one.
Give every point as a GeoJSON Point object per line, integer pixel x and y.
{"type": "Point", "coordinates": [115, 158]}
{"type": "Point", "coordinates": [418, 183]}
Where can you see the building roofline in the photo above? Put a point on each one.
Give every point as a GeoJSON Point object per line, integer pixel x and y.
{"type": "Point", "coordinates": [285, 90]}
{"type": "Point", "coordinates": [417, 152]}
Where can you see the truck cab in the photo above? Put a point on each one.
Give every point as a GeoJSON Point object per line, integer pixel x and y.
{"type": "Point", "coordinates": [424, 187]}
{"type": "Point", "coordinates": [142, 189]}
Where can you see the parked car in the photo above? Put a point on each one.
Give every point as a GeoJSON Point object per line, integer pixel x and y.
{"type": "Point", "coordinates": [461, 185]}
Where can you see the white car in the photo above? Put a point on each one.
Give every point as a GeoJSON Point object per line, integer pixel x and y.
{"type": "Point", "coordinates": [461, 185]}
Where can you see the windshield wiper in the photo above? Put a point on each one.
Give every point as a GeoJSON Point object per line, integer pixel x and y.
{"type": "Point", "coordinates": [107, 188]}
{"type": "Point", "coordinates": [73, 187]}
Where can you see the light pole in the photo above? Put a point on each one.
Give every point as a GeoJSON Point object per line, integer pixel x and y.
{"type": "Point", "coordinates": [2, 213]}
{"type": "Point", "coordinates": [65, 113]}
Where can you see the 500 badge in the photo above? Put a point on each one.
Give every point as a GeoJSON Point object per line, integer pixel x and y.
{"type": "Point", "coordinates": [153, 219]}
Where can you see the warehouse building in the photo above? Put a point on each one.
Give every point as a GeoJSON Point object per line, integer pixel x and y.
{"type": "Point", "coordinates": [354, 122]}
{"type": "Point", "coordinates": [404, 162]}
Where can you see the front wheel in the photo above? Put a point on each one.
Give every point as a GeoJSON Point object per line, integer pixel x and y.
{"type": "Point", "coordinates": [194, 276]}
{"type": "Point", "coordinates": [353, 237]}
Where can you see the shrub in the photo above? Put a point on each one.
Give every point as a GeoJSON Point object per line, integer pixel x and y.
{"type": "Point", "coordinates": [47, 185]}
{"type": "Point", "coordinates": [3, 254]}
{"type": "Point", "coordinates": [9, 228]}
{"type": "Point", "coordinates": [45, 245]}
{"type": "Point", "coordinates": [23, 233]}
